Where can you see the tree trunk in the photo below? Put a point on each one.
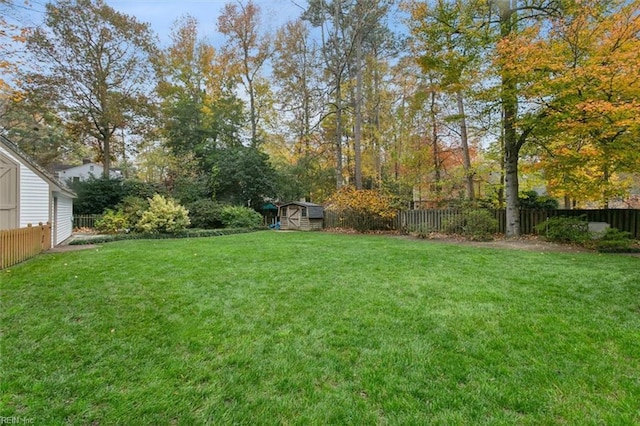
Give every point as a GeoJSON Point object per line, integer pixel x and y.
{"type": "Point", "coordinates": [464, 139]}
{"type": "Point", "coordinates": [252, 114]}
{"type": "Point", "coordinates": [511, 153]}
{"type": "Point", "coordinates": [511, 191]}
{"type": "Point", "coordinates": [339, 181]}
{"type": "Point", "coordinates": [511, 144]}
{"type": "Point", "coordinates": [605, 178]}
{"type": "Point", "coordinates": [435, 149]}
{"type": "Point", "coordinates": [337, 70]}
{"type": "Point", "coordinates": [376, 126]}
{"type": "Point", "coordinates": [357, 131]}
{"type": "Point", "coordinates": [106, 152]}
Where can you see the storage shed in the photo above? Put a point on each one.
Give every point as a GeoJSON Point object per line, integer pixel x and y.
{"type": "Point", "coordinates": [29, 195]}
{"type": "Point", "coordinates": [301, 216]}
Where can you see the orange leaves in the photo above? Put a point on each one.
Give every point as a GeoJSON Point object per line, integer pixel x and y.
{"type": "Point", "coordinates": [594, 99]}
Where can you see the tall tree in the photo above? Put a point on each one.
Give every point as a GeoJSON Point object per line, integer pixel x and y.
{"type": "Point", "coordinates": [245, 176]}
{"type": "Point", "coordinates": [12, 36]}
{"type": "Point", "coordinates": [249, 50]}
{"type": "Point", "coordinates": [36, 128]}
{"type": "Point", "coordinates": [96, 61]}
{"type": "Point", "coordinates": [302, 159]}
{"type": "Point", "coordinates": [366, 23]}
{"type": "Point", "coordinates": [296, 73]}
{"type": "Point", "coordinates": [450, 37]}
{"type": "Point", "coordinates": [337, 48]}
{"type": "Point", "coordinates": [589, 61]}
{"type": "Point", "coordinates": [200, 112]}
{"type": "Point", "coordinates": [515, 20]}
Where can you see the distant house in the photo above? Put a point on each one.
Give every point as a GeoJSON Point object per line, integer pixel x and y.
{"type": "Point", "coordinates": [29, 195]}
{"type": "Point", "coordinates": [83, 172]}
{"type": "Point", "coordinates": [301, 216]}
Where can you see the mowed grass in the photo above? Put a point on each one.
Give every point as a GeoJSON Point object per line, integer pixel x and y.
{"type": "Point", "coordinates": [317, 328]}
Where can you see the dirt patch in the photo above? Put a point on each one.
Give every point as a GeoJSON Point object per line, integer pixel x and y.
{"type": "Point", "coordinates": [82, 236]}
{"type": "Point", "coordinates": [526, 242]}
{"type": "Point", "coordinates": [66, 248]}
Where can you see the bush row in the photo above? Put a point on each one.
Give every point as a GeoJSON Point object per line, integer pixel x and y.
{"type": "Point", "coordinates": [575, 230]}
{"type": "Point", "coordinates": [475, 224]}
{"type": "Point", "coordinates": [480, 225]}
{"type": "Point", "coordinates": [165, 216]}
{"type": "Point", "coordinates": [191, 233]}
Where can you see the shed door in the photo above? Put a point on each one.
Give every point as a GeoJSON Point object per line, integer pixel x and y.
{"type": "Point", "coordinates": [8, 193]}
{"type": "Point", "coordinates": [294, 217]}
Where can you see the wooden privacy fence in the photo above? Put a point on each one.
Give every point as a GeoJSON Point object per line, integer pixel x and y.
{"type": "Point", "coordinates": [435, 220]}
{"type": "Point", "coordinates": [85, 220]}
{"type": "Point", "coordinates": [17, 245]}
{"type": "Point", "coordinates": [623, 219]}
{"type": "Point", "coordinates": [353, 221]}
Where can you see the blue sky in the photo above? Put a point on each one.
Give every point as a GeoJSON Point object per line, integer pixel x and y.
{"type": "Point", "coordinates": [161, 14]}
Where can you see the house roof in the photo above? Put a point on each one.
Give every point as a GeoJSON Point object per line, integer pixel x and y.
{"type": "Point", "coordinates": [61, 167]}
{"type": "Point", "coordinates": [55, 184]}
{"type": "Point", "coordinates": [314, 211]}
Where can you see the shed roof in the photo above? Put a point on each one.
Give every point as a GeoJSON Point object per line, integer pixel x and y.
{"type": "Point", "coordinates": [55, 185]}
{"type": "Point", "coordinates": [314, 211]}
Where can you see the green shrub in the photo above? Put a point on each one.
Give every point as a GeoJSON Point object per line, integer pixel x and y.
{"type": "Point", "coordinates": [205, 214]}
{"type": "Point", "coordinates": [563, 229]}
{"type": "Point", "coordinates": [112, 222]}
{"type": "Point", "coordinates": [95, 195]}
{"type": "Point", "coordinates": [421, 231]}
{"type": "Point", "coordinates": [133, 208]}
{"type": "Point", "coordinates": [613, 240]}
{"type": "Point", "coordinates": [454, 225]}
{"type": "Point", "coordinates": [189, 233]}
{"type": "Point", "coordinates": [188, 189]}
{"type": "Point", "coordinates": [164, 216]}
{"type": "Point", "coordinates": [138, 189]}
{"type": "Point", "coordinates": [240, 217]}
{"type": "Point", "coordinates": [476, 224]}
{"type": "Point", "coordinates": [532, 201]}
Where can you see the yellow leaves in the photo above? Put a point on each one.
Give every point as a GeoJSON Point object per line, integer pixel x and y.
{"type": "Point", "coordinates": [367, 201]}
{"type": "Point", "coordinates": [526, 56]}
{"type": "Point", "coordinates": [18, 96]}
{"type": "Point", "coordinates": [418, 10]}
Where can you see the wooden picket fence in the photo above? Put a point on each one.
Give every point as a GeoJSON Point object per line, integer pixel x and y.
{"type": "Point", "coordinates": [85, 220]}
{"type": "Point", "coordinates": [17, 245]}
{"type": "Point", "coordinates": [435, 220]}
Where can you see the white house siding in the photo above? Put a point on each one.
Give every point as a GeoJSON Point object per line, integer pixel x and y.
{"type": "Point", "coordinates": [34, 195]}
{"type": "Point", "coordinates": [34, 198]}
{"type": "Point", "coordinates": [64, 216]}
{"type": "Point", "coordinates": [84, 172]}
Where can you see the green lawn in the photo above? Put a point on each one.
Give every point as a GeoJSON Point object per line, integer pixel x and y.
{"type": "Point", "coordinates": [317, 328]}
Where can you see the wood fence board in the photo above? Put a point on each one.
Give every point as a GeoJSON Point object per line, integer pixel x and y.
{"type": "Point", "coordinates": [434, 220]}
{"type": "Point", "coordinates": [85, 220]}
{"type": "Point", "coordinates": [17, 245]}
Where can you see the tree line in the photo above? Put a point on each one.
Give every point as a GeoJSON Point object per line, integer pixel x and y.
{"type": "Point", "coordinates": [434, 101]}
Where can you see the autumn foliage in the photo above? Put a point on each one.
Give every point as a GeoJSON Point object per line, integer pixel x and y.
{"type": "Point", "coordinates": [366, 208]}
